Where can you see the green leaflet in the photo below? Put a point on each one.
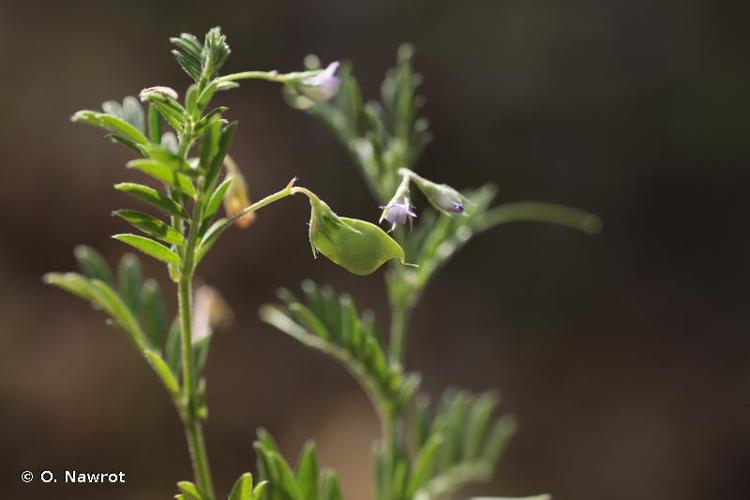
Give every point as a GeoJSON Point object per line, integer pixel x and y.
{"type": "Point", "coordinates": [214, 201]}
{"type": "Point", "coordinates": [308, 471]}
{"type": "Point", "coordinates": [358, 246]}
{"type": "Point", "coordinates": [72, 283]}
{"type": "Point", "coordinates": [165, 152]}
{"type": "Point", "coordinates": [149, 247]}
{"type": "Point", "coordinates": [477, 422]}
{"type": "Point", "coordinates": [92, 264]}
{"type": "Point", "coordinates": [171, 110]}
{"type": "Point", "coordinates": [173, 347]}
{"type": "Point", "coordinates": [329, 488]}
{"type": "Point", "coordinates": [209, 117]}
{"type": "Point", "coordinates": [152, 197]}
{"type": "Point", "coordinates": [424, 464]}
{"type": "Point", "coordinates": [165, 173]}
{"type": "Point", "coordinates": [151, 225]}
{"type": "Point", "coordinates": [154, 125]}
{"type": "Point", "coordinates": [243, 488]}
{"type": "Point", "coordinates": [129, 111]}
{"type": "Point", "coordinates": [212, 155]}
{"type": "Point", "coordinates": [210, 237]}
{"type": "Point", "coordinates": [191, 491]}
{"type": "Point", "coordinates": [188, 54]}
{"type": "Point", "coordinates": [153, 314]}
{"type": "Point", "coordinates": [162, 370]}
{"type": "Point", "coordinates": [113, 124]}
{"type": "Point", "coordinates": [129, 282]}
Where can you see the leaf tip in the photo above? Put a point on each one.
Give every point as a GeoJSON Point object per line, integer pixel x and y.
{"type": "Point", "coordinates": [592, 224]}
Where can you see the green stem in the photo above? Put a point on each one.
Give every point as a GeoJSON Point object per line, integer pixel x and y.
{"type": "Point", "coordinates": [390, 439]}
{"type": "Point", "coordinates": [198, 455]}
{"type": "Point", "coordinates": [289, 190]}
{"type": "Point", "coordinates": [190, 418]}
{"type": "Point", "coordinates": [532, 211]}
{"type": "Point", "coordinates": [392, 435]}
{"type": "Point", "coordinates": [399, 323]}
{"type": "Point", "coordinates": [269, 76]}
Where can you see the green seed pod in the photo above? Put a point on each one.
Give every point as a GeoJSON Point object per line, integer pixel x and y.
{"type": "Point", "coordinates": [356, 245]}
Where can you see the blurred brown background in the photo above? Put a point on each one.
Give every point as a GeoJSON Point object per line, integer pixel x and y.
{"type": "Point", "coordinates": [625, 356]}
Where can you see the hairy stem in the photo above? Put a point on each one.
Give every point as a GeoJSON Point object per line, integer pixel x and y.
{"type": "Point", "coordinates": [190, 418]}
{"type": "Point", "coordinates": [289, 190]}
{"type": "Point", "coordinates": [269, 76]}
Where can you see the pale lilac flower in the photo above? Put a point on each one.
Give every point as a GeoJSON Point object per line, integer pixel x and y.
{"type": "Point", "coordinates": [322, 86]}
{"type": "Point", "coordinates": [397, 212]}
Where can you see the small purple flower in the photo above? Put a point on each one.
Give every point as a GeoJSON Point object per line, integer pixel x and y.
{"type": "Point", "coordinates": [397, 212]}
{"type": "Point", "coordinates": [322, 86]}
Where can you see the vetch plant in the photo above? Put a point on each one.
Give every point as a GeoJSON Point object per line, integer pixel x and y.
{"type": "Point", "coordinates": [181, 147]}
{"type": "Point", "coordinates": [426, 451]}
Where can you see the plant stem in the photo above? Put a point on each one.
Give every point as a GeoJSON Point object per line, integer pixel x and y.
{"type": "Point", "coordinates": [198, 455]}
{"type": "Point", "coordinates": [399, 322]}
{"type": "Point", "coordinates": [289, 190]}
{"type": "Point", "coordinates": [390, 434]}
{"type": "Point", "coordinates": [190, 418]}
{"type": "Point", "coordinates": [269, 76]}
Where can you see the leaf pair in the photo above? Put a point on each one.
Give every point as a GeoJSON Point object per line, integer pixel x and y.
{"type": "Point", "coordinates": [332, 324]}
{"type": "Point", "coordinates": [308, 483]}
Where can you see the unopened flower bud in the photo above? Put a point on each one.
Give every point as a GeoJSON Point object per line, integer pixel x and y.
{"type": "Point", "coordinates": [322, 86]}
{"type": "Point", "coordinates": [235, 199]}
{"type": "Point", "coordinates": [441, 196]}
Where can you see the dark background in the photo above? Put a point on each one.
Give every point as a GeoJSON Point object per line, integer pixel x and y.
{"type": "Point", "coordinates": [625, 355]}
